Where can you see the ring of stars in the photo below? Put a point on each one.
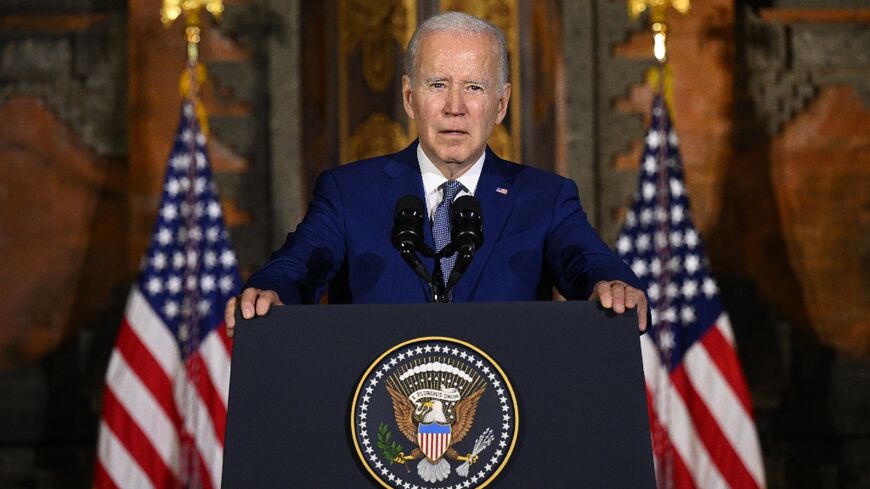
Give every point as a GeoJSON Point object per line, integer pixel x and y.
{"type": "Point", "coordinates": [490, 460]}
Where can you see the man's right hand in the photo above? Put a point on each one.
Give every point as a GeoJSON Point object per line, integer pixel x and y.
{"type": "Point", "coordinates": [253, 302]}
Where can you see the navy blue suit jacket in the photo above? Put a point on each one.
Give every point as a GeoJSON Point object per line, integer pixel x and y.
{"type": "Point", "coordinates": [536, 236]}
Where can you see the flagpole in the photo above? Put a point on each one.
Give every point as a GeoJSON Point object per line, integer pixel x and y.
{"type": "Point", "coordinates": [192, 78]}
{"type": "Point", "coordinates": [661, 80]}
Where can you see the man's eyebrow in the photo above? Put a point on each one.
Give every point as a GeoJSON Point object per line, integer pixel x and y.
{"type": "Point", "coordinates": [475, 82]}
{"type": "Point", "coordinates": [435, 79]}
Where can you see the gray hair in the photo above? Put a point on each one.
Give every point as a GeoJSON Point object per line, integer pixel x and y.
{"type": "Point", "coordinates": [459, 23]}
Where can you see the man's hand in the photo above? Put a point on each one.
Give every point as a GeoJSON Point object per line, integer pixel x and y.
{"type": "Point", "coordinates": [253, 302]}
{"type": "Point", "coordinates": [619, 296]}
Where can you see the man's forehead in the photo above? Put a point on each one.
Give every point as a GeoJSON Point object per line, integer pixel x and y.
{"type": "Point", "coordinates": [447, 51]}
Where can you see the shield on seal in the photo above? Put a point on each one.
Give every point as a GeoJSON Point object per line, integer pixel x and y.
{"type": "Point", "coordinates": [433, 439]}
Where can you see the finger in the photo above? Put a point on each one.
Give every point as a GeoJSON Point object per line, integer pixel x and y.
{"type": "Point", "coordinates": [248, 299]}
{"type": "Point", "coordinates": [594, 295]}
{"type": "Point", "coordinates": [605, 296]}
{"type": "Point", "coordinates": [230, 316]}
{"type": "Point", "coordinates": [265, 301]}
{"type": "Point", "coordinates": [642, 306]}
{"type": "Point", "coordinates": [618, 291]}
{"type": "Point", "coordinates": [631, 297]}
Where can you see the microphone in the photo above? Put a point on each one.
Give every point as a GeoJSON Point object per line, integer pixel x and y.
{"type": "Point", "coordinates": [466, 226]}
{"type": "Point", "coordinates": [407, 233]}
{"type": "Point", "coordinates": [466, 229]}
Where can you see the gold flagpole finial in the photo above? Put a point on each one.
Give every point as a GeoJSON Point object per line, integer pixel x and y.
{"type": "Point", "coordinates": [173, 9]}
{"type": "Point", "coordinates": [657, 11]}
{"type": "Point", "coordinates": [194, 75]}
{"type": "Point", "coordinates": [660, 78]}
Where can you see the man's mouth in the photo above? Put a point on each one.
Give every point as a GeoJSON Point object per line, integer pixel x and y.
{"type": "Point", "coordinates": [452, 132]}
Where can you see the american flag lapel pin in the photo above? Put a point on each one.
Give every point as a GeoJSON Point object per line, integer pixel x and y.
{"type": "Point", "coordinates": [501, 190]}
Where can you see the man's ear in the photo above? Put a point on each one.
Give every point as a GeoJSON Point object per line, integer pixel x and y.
{"type": "Point", "coordinates": [503, 103]}
{"type": "Point", "coordinates": [406, 96]}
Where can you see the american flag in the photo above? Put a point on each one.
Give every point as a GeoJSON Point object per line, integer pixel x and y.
{"type": "Point", "coordinates": [164, 407]}
{"type": "Point", "coordinates": [703, 431]}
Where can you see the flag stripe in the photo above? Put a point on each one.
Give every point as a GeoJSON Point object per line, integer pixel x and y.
{"type": "Point", "coordinates": [209, 395]}
{"type": "Point", "coordinates": [679, 474]}
{"type": "Point", "coordinates": [115, 460]}
{"type": "Point", "coordinates": [152, 332]}
{"type": "Point", "coordinates": [207, 481]}
{"type": "Point", "coordinates": [723, 324]}
{"type": "Point", "coordinates": [715, 441]}
{"type": "Point", "coordinates": [728, 363]}
{"type": "Point", "coordinates": [102, 479]}
{"type": "Point", "coordinates": [151, 374]}
{"type": "Point", "coordinates": [725, 408]}
{"type": "Point", "coordinates": [143, 409]}
{"type": "Point", "coordinates": [216, 359]}
{"type": "Point", "coordinates": [138, 445]}
{"type": "Point", "coordinates": [226, 340]}
{"type": "Point", "coordinates": [197, 420]}
{"type": "Point", "coordinates": [678, 421]}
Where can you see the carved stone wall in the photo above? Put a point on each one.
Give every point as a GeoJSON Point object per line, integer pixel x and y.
{"type": "Point", "coordinates": [75, 64]}
{"type": "Point", "coordinates": [596, 78]}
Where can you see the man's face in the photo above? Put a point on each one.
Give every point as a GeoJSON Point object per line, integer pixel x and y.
{"type": "Point", "coordinates": [455, 99]}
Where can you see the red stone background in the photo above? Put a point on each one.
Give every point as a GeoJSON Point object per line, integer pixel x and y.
{"type": "Point", "coordinates": [63, 229]}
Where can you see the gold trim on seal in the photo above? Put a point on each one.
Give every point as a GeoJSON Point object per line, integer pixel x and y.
{"type": "Point", "coordinates": [498, 368]}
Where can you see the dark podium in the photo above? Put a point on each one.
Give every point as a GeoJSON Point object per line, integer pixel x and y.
{"type": "Point", "coordinates": [575, 371]}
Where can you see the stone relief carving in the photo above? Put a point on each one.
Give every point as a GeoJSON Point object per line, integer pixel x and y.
{"type": "Point", "coordinates": [80, 75]}
{"type": "Point", "coordinates": [786, 64]}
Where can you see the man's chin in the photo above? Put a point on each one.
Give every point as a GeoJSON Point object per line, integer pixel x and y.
{"type": "Point", "coordinates": [456, 156]}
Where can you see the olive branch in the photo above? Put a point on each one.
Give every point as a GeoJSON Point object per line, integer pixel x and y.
{"type": "Point", "coordinates": [389, 448]}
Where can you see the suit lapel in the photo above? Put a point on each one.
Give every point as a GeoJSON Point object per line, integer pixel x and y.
{"type": "Point", "coordinates": [400, 177]}
{"type": "Point", "coordinates": [496, 203]}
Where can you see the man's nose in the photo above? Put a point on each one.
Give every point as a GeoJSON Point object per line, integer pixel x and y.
{"type": "Point", "coordinates": [455, 103]}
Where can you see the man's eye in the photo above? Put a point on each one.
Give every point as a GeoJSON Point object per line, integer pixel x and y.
{"type": "Point", "coordinates": [475, 88]}
{"type": "Point", "coordinates": [436, 85]}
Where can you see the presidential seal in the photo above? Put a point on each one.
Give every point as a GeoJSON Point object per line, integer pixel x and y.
{"type": "Point", "coordinates": [434, 413]}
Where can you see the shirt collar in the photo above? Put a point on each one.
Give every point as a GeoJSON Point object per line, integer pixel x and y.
{"type": "Point", "coordinates": [433, 178]}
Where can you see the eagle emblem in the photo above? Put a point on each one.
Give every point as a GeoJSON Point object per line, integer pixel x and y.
{"type": "Point", "coordinates": [427, 424]}
{"type": "Point", "coordinates": [446, 398]}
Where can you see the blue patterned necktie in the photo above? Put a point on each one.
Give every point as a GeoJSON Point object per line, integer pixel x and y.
{"type": "Point", "coordinates": [441, 224]}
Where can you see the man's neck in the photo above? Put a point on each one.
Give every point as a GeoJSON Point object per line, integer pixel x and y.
{"type": "Point", "coordinates": [452, 171]}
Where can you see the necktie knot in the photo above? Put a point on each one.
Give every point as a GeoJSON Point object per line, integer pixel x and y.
{"type": "Point", "coordinates": [451, 190]}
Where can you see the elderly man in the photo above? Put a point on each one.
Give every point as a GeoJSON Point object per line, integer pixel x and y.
{"type": "Point", "coordinates": [537, 236]}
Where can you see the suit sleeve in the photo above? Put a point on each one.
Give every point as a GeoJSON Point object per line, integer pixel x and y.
{"type": "Point", "coordinates": [299, 271]}
{"type": "Point", "coordinates": [577, 255]}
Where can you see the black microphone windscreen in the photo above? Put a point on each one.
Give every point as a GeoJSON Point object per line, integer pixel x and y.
{"type": "Point", "coordinates": [410, 202]}
{"type": "Point", "coordinates": [467, 222]}
{"type": "Point", "coordinates": [466, 203]}
{"type": "Point", "coordinates": [407, 233]}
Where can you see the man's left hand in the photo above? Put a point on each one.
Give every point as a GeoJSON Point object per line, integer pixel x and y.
{"type": "Point", "coordinates": [619, 296]}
